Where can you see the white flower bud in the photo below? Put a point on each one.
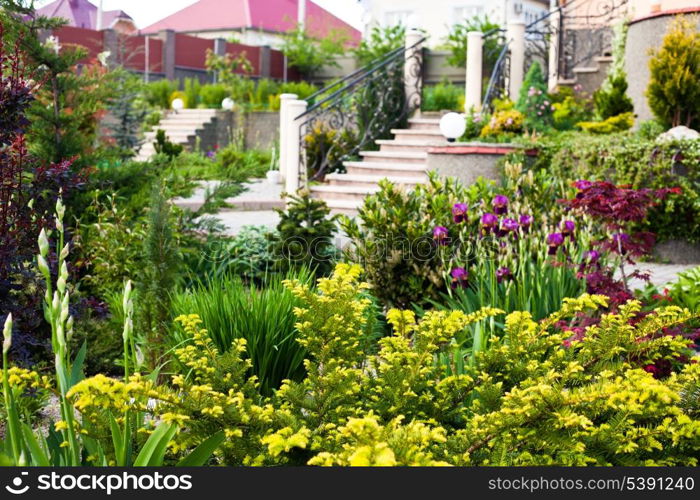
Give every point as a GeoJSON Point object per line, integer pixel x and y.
{"type": "Point", "coordinates": [43, 266]}
{"type": "Point", "coordinates": [56, 303]}
{"type": "Point", "coordinates": [43, 243]}
{"type": "Point", "coordinates": [7, 334]}
{"type": "Point", "coordinates": [64, 252]}
{"type": "Point", "coordinates": [69, 326]}
{"type": "Point", "coordinates": [61, 284]}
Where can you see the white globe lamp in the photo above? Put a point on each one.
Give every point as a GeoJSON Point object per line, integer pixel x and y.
{"type": "Point", "coordinates": [227, 104]}
{"type": "Point", "coordinates": [452, 126]}
{"type": "Point", "coordinates": [178, 104]}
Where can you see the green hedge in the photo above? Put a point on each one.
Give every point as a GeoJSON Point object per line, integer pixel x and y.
{"type": "Point", "coordinates": [627, 158]}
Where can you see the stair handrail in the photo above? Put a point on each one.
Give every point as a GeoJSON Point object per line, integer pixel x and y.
{"type": "Point", "coordinates": [497, 75]}
{"type": "Point", "coordinates": [352, 117]}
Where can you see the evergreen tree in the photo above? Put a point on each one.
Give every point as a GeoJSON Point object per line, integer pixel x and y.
{"type": "Point", "coordinates": [533, 101]}
{"type": "Point", "coordinates": [128, 115]}
{"type": "Point", "coordinates": [611, 99]}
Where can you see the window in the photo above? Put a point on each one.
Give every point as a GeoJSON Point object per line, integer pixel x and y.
{"type": "Point", "coordinates": [396, 17]}
{"type": "Point", "coordinates": [464, 12]}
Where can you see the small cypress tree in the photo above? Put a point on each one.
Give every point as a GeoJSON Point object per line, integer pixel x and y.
{"type": "Point", "coordinates": [674, 87]}
{"type": "Point", "coordinates": [128, 115]}
{"type": "Point", "coordinates": [611, 99]}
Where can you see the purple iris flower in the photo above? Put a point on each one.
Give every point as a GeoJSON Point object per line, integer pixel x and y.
{"type": "Point", "coordinates": [592, 256]}
{"type": "Point", "coordinates": [440, 234]}
{"type": "Point", "coordinates": [510, 225]}
{"type": "Point", "coordinates": [459, 212]}
{"type": "Point", "coordinates": [555, 240]}
{"type": "Point", "coordinates": [568, 227]}
{"type": "Point", "coordinates": [582, 184]}
{"type": "Point", "coordinates": [500, 204]}
{"type": "Point", "coordinates": [526, 222]}
{"type": "Point", "coordinates": [503, 273]}
{"type": "Point", "coordinates": [459, 277]}
{"type": "Point", "coordinates": [489, 222]}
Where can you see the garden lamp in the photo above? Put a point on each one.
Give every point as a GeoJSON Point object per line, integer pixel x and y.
{"type": "Point", "coordinates": [452, 126]}
{"type": "Point", "coordinates": [227, 104]}
{"type": "Point", "coordinates": [178, 104]}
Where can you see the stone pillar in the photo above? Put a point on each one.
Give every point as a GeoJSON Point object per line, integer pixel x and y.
{"type": "Point", "coordinates": [475, 55]}
{"type": "Point", "coordinates": [412, 69]}
{"type": "Point", "coordinates": [265, 61]}
{"type": "Point", "coordinates": [219, 50]}
{"type": "Point", "coordinates": [555, 23]}
{"type": "Point", "coordinates": [295, 131]}
{"type": "Point", "coordinates": [168, 37]}
{"type": "Point", "coordinates": [285, 99]}
{"type": "Point", "coordinates": [515, 34]}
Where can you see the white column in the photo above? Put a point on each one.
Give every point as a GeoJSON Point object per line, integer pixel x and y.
{"type": "Point", "coordinates": [554, 20]}
{"type": "Point", "coordinates": [516, 35]}
{"type": "Point", "coordinates": [285, 99]}
{"type": "Point", "coordinates": [301, 13]}
{"type": "Point", "coordinates": [412, 68]}
{"type": "Point", "coordinates": [475, 55]}
{"type": "Point", "coordinates": [293, 137]}
{"type": "Point", "coordinates": [98, 20]}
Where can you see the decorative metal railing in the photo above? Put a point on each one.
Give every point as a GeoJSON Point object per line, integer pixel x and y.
{"type": "Point", "coordinates": [496, 64]}
{"type": "Point", "coordinates": [347, 116]}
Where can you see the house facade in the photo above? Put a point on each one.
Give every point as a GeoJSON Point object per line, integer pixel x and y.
{"type": "Point", "coordinates": [437, 17]}
{"type": "Point", "coordinates": [83, 14]}
{"type": "Point", "coordinates": [252, 22]}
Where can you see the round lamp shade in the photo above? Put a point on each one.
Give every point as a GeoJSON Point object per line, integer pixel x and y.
{"type": "Point", "coordinates": [227, 104]}
{"type": "Point", "coordinates": [178, 104]}
{"type": "Point", "coordinates": [452, 126]}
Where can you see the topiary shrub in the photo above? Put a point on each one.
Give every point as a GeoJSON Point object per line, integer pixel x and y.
{"type": "Point", "coordinates": [618, 123]}
{"type": "Point", "coordinates": [674, 87]}
{"type": "Point", "coordinates": [534, 102]}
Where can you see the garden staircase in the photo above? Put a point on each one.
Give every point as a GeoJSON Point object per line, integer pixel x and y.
{"type": "Point", "coordinates": [181, 127]}
{"type": "Point", "coordinates": [402, 160]}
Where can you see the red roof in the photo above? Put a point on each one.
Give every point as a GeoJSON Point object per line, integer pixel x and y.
{"type": "Point", "coordinates": [268, 15]}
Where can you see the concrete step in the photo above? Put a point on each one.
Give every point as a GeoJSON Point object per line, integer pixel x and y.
{"type": "Point", "coordinates": [372, 180]}
{"type": "Point", "coordinates": [384, 169]}
{"type": "Point", "coordinates": [178, 138]}
{"type": "Point", "coordinates": [395, 156]}
{"type": "Point", "coordinates": [405, 134]}
{"type": "Point", "coordinates": [192, 112]}
{"type": "Point", "coordinates": [407, 146]}
{"type": "Point", "coordinates": [327, 192]}
{"type": "Point", "coordinates": [424, 124]}
{"type": "Point", "coordinates": [345, 207]}
{"type": "Point", "coordinates": [175, 126]}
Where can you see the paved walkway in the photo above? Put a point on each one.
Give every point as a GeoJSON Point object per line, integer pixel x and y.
{"type": "Point", "coordinates": [661, 274]}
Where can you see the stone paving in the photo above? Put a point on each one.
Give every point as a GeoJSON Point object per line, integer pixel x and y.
{"type": "Point", "coordinates": [661, 274]}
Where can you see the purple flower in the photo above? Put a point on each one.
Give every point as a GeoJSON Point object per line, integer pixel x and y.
{"type": "Point", "coordinates": [531, 91]}
{"type": "Point", "coordinates": [503, 273]}
{"type": "Point", "coordinates": [440, 234]}
{"type": "Point", "coordinates": [459, 277]}
{"type": "Point", "coordinates": [489, 222]}
{"type": "Point", "coordinates": [568, 227]}
{"type": "Point", "coordinates": [555, 240]}
{"type": "Point", "coordinates": [459, 212]}
{"type": "Point", "coordinates": [500, 204]}
{"type": "Point", "coordinates": [526, 222]}
{"type": "Point", "coordinates": [508, 226]}
{"type": "Point", "coordinates": [592, 256]}
{"type": "Point", "coordinates": [582, 184]}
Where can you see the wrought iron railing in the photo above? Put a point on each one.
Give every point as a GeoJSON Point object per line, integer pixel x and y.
{"type": "Point", "coordinates": [496, 64]}
{"type": "Point", "coordinates": [349, 115]}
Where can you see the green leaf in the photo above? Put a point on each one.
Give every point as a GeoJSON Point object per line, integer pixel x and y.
{"type": "Point", "coordinates": [199, 456]}
{"type": "Point", "coordinates": [38, 455]}
{"type": "Point", "coordinates": [153, 452]}
{"type": "Point", "coordinates": [77, 371]}
{"type": "Point", "coordinates": [117, 440]}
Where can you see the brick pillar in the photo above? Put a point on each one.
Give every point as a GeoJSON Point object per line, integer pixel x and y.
{"type": "Point", "coordinates": [168, 37]}
{"type": "Point", "coordinates": [265, 61]}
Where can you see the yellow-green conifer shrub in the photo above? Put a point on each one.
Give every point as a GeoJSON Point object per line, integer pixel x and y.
{"type": "Point", "coordinates": [530, 399]}
{"type": "Point", "coordinates": [674, 87]}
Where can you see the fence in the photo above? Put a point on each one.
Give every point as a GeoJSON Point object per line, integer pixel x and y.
{"type": "Point", "coordinates": [172, 55]}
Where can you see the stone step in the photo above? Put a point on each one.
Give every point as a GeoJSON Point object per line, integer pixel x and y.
{"type": "Point", "coordinates": [402, 134]}
{"type": "Point", "coordinates": [193, 112]}
{"type": "Point", "coordinates": [424, 124]}
{"type": "Point", "coordinates": [181, 126]}
{"type": "Point", "coordinates": [407, 146]}
{"type": "Point", "coordinates": [373, 180]}
{"type": "Point", "coordinates": [356, 193]}
{"type": "Point", "coordinates": [395, 156]}
{"type": "Point", "coordinates": [180, 137]}
{"type": "Point", "coordinates": [384, 169]}
{"type": "Point", "coordinates": [345, 207]}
